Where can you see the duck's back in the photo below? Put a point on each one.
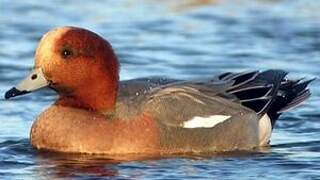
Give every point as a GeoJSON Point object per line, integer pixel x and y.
{"type": "Point", "coordinates": [230, 111]}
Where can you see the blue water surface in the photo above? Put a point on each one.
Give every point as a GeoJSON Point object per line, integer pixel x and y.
{"type": "Point", "coordinates": [180, 39]}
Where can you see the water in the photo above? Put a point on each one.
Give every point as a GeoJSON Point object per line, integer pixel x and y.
{"type": "Point", "coordinates": [179, 39]}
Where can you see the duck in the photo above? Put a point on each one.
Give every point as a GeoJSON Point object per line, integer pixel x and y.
{"type": "Point", "coordinates": [96, 113]}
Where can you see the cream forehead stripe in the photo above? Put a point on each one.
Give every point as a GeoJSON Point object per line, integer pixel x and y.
{"type": "Point", "coordinates": [205, 122]}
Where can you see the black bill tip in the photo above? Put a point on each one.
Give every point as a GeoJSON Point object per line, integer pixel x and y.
{"type": "Point", "coordinates": [14, 92]}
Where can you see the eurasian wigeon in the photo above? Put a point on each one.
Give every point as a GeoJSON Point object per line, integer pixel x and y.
{"type": "Point", "coordinates": [98, 114]}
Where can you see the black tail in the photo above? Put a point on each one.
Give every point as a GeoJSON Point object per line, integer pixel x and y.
{"type": "Point", "coordinates": [290, 94]}
{"type": "Point", "coordinates": [267, 92]}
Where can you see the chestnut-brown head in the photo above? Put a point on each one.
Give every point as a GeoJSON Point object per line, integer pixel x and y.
{"type": "Point", "coordinates": [79, 64]}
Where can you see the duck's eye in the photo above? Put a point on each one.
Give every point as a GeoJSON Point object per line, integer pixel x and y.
{"type": "Point", "coordinates": [65, 53]}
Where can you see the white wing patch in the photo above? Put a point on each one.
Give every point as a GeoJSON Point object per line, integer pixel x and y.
{"type": "Point", "coordinates": [205, 122]}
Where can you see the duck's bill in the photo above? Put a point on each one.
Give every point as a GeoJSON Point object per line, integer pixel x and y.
{"type": "Point", "coordinates": [34, 81]}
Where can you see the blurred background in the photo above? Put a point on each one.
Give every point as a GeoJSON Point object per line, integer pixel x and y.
{"type": "Point", "coordinates": [179, 39]}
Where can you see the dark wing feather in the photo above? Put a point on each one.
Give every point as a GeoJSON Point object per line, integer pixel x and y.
{"type": "Point", "coordinates": [267, 92]}
{"type": "Point", "coordinates": [256, 90]}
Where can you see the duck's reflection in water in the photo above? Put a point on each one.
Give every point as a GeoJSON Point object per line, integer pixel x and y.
{"type": "Point", "coordinates": [60, 165]}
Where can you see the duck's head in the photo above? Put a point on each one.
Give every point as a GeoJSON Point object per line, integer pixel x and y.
{"type": "Point", "coordinates": [79, 65]}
